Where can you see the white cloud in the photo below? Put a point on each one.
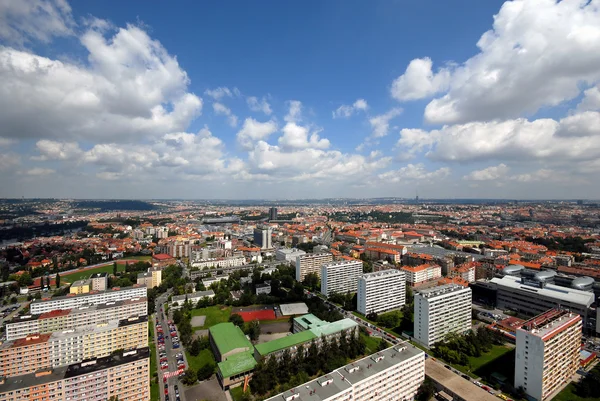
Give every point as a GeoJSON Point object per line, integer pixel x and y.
{"type": "Point", "coordinates": [39, 172]}
{"type": "Point", "coordinates": [381, 123]}
{"type": "Point", "coordinates": [221, 109]}
{"type": "Point", "coordinates": [259, 105]}
{"type": "Point", "coordinates": [9, 160]}
{"type": "Point", "coordinates": [345, 111]}
{"type": "Point", "coordinates": [539, 53]}
{"type": "Point", "coordinates": [53, 150]}
{"type": "Point", "coordinates": [591, 99]}
{"type": "Point", "coordinates": [295, 111]}
{"type": "Point", "coordinates": [22, 21]}
{"type": "Point", "coordinates": [253, 131]}
{"type": "Point", "coordinates": [414, 172]}
{"type": "Point", "coordinates": [581, 125]}
{"type": "Point", "coordinates": [221, 92]}
{"type": "Point", "coordinates": [132, 88]}
{"type": "Point", "coordinates": [419, 81]}
{"type": "Point", "coordinates": [298, 137]}
{"type": "Point", "coordinates": [539, 175]}
{"type": "Point", "coordinates": [6, 142]}
{"type": "Point", "coordinates": [488, 174]}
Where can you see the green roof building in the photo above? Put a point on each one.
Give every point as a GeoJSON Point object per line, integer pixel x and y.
{"type": "Point", "coordinates": [227, 339]}
{"type": "Point", "coordinates": [306, 322]}
{"type": "Point", "coordinates": [328, 329]}
{"type": "Point", "coordinates": [236, 368]}
{"type": "Point", "coordinates": [280, 344]}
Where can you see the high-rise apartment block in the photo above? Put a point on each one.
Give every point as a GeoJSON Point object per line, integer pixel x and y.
{"type": "Point", "coordinates": [381, 291]}
{"type": "Point", "coordinates": [262, 237]}
{"type": "Point", "coordinates": [311, 263]}
{"type": "Point", "coordinates": [75, 301]}
{"type": "Point", "coordinates": [547, 352]}
{"type": "Point", "coordinates": [340, 277]}
{"type": "Point", "coordinates": [124, 376]}
{"type": "Point", "coordinates": [38, 351]}
{"type": "Point", "coordinates": [392, 374]}
{"type": "Point", "coordinates": [99, 281]}
{"type": "Point", "coordinates": [68, 319]}
{"type": "Point", "coordinates": [441, 310]}
{"type": "Point", "coordinates": [150, 279]}
{"type": "Point", "coordinates": [273, 213]}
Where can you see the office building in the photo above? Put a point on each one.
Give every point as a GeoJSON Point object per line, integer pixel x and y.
{"type": "Point", "coordinates": [262, 237]}
{"type": "Point", "coordinates": [125, 376]}
{"type": "Point", "coordinates": [99, 281]}
{"type": "Point", "coordinates": [392, 374]}
{"type": "Point", "coordinates": [38, 351]}
{"type": "Point", "coordinates": [416, 275]}
{"type": "Point", "coordinates": [340, 277]}
{"type": "Point", "coordinates": [73, 301]}
{"type": "Point", "coordinates": [80, 287]}
{"type": "Point", "coordinates": [381, 291]}
{"type": "Point", "coordinates": [68, 319]}
{"type": "Point", "coordinates": [288, 255]}
{"type": "Point", "coordinates": [441, 310]}
{"type": "Point", "coordinates": [273, 213]}
{"type": "Point", "coordinates": [532, 297]}
{"type": "Point", "coordinates": [547, 353]}
{"type": "Point", "coordinates": [311, 263]}
{"type": "Point", "coordinates": [150, 279]}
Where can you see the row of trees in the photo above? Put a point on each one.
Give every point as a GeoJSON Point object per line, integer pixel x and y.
{"type": "Point", "coordinates": [292, 370]}
{"type": "Point", "coordinates": [458, 348]}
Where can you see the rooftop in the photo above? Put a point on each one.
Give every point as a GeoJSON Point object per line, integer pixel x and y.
{"type": "Point", "coordinates": [79, 283]}
{"type": "Point", "coordinates": [456, 384]}
{"type": "Point", "coordinates": [197, 294]}
{"type": "Point", "coordinates": [89, 294]}
{"type": "Point", "coordinates": [279, 344]}
{"type": "Point", "coordinates": [382, 274]}
{"type": "Point", "coordinates": [550, 290]}
{"type": "Point", "coordinates": [228, 337]}
{"type": "Point", "coordinates": [440, 290]}
{"type": "Point", "coordinates": [342, 263]}
{"type": "Point", "coordinates": [550, 322]}
{"type": "Point", "coordinates": [334, 327]}
{"type": "Point", "coordinates": [299, 308]}
{"type": "Point", "coordinates": [309, 321]}
{"type": "Point", "coordinates": [162, 256]}
{"type": "Point", "coordinates": [237, 363]}
{"type": "Point", "coordinates": [99, 275]}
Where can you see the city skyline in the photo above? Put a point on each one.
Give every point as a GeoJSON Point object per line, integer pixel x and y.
{"type": "Point", "coordinates": [498, 100]}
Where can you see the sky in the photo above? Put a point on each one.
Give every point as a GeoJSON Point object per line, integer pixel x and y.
{"type": "Point", "coordinates": [300, 99]}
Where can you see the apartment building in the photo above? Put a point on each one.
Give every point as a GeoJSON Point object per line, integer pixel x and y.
{"type": "Point", "coordinates": [340, 277]}
{"type": "Point", "coordinates": [179, 300]}
{"type": "Point", "coordinates": [534, 297]}
{"type": "Point", "coordinates": [547, 352]}
{"type": "Point", "coordinates": [80, 287]}
{"type": "Point", "coordinates": [99, 281]}
{"type": "Point", "coordinates": [416, 275]}
{"type": "Point", "coordinates": [39, 351]}
{"type": "Point", "coordinates": [288, 255]}
{"type": "Point", "coordinates": [311, 263]}
{"type": "Point", "coordinates": [441, 310]}
{"type": "Point", "coordinates": [220, 262]}
{"type": "Point", "coordinates": [381, 291]}
{"type": "Point", "coordinates": [392, 374]}
{"type": "Point", "coordinates": [125, 375]}
{"type": "Point", "coordinates": [262, 237]}
{"type": "Point", "coordinates": [150, 279]}
{"type": "Point", "coordinates": [93, 298]}
{"type": "Point", "coordinates": [68, 319]}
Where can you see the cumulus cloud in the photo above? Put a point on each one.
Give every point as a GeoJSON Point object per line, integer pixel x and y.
{"type": "Point", "coordinates": [591, 99]}
{"type": "Point", "coordinates": [419, 81]}
{"type": "Point", "coordinates": [295, 111]}
{"type": "Point", "coordinates": [39, 171]}
{"type": "Point", "coordinates": [298, 137]}
{"type": "Point", "coordinates": [488, 174]}
{"type": "Point", "coordinates": [9, 160]}
{"type": "Point", "coordinates": [22, 21]}
{"type": "Point", "coordinates": [221, 109]}
{"type": "Point", "coordinates": [131, 88]}
{"type": "Point", "coordinates": [253, 131]}
{"type": "Point", "coordinates": [259, 105]}
{"type": "Point", "coordinates": [381, 123]}
{"type": "Point", "coordinates": [221, 92]}
{"type": "Point", "coordinates": [414, 172]}
{"type": "Point", "coordinates": [345, 111]}
{"type": "Point", "coordinates": [538, 54]}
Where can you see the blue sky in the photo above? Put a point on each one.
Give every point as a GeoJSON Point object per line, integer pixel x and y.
{"type": "Point", "coordinates": [300, 99]}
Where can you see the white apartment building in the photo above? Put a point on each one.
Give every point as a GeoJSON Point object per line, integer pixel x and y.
{"type": "Point", "coordinates": [340, 277]}
{"type": "Point", "coordinates": [392, 374]}
{"type": "Point", "coordinates": [220, 262]}
{"type": "Point", "coordinates": [381, 291]}
{"type": "Point", "coordinates": [67, 319]}
{"type": "Point", "coordinates": [416, 275]}
{"type": "Point", "coordinates": [74, 301]}
{"type": "Point", "coordinates": [441, 310]}
{"type": "Point", "coordinates": [193, 298]}
{"type": "Point", "coordinates": [288, 255]}
{"type": "Point", "coordinates": [311, 263]}
{"type": "Point", "coordinates": [547, 352]}
{"type": "Point", "coordinates": [99, 281]}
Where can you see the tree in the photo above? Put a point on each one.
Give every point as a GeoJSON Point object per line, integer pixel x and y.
{"type": "Point", "coordinates": [206, 371]}
{"type": "Point", "coordinates": [115, 269]}
{"type": "Point", "coordinates": [311, 280]}
{"type": "Point", "coordinates": [57, 280]}
{"type": "Point", "coordinates": [253, 330]}
{"type": "Point", "coordinates": [25, 280]}
{"type": "Point", "coordinates": [195, 347]}
{"type": "Point", "coordinates": [426, 390]}
{"type": "Point", "coordinates": [236, 319]}
{"type": "Point", "coordinates": [190, 377]}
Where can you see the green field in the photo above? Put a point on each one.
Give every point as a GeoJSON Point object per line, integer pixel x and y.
{"type": "Point", "coordinates": [372, 343]}
{"type": "Point", "coordinates": [154, 395]}
{"type": "Point", "coordinates": [500, 359]}
{"type": "Point", "coordinates": [143, 258]}
{"type": "Point", "coordinates": [196, 362]}
{"type": "Point", "coordinates": [237, 393]}
{"type": "Point", "coordinates": [214, 315]}
{"type": "Point", "coordinates": [84, 274]}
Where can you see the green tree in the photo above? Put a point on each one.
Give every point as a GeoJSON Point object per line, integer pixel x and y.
{"type": "Point", "coordinates": [426, 390]}
{"type": "Point", "coordinates": [57, 280]}
{"type": "Point", "coordinates": [115, 269]}
{"type": "Point", "coordinates": [236, 319]}
{"type": "Point", "coordinates": [311, 280]}
{"type": "Point", "coordinates": [253, 330]}
{"type": "Point", "coordinates": [206, 371]}
{"type": "Point", "coordinates": [25, 280]}
{"type": "Point", "coordinates": [194, 348]}
{"type": "Point", "coordinates": [190, 377]}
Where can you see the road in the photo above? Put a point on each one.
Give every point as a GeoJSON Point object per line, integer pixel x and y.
{"type": "Point", "coordinates": [170, 353]}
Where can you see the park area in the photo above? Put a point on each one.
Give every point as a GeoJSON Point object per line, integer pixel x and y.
{"type": "Point", "coordinates": [86, 273]}
{"type": "Point", "coordinates": [214, 315]}
{"type": "Point", "coordinates": [219, 314]}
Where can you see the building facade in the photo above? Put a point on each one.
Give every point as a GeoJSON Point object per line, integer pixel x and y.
{"type": "Point", "coordinates": [80, 287]}
{"type": "Point", "coordinates": [125, 376]}
{"type": "Point", "coordinates": [381, 291]}
{"type": "Point", "coordinates": [340, 277]}
{"type": "Point", "coordinates": [288, 255]}
{"type": "Point", "coordinates": [262, 237]}
{"type": "Point", "coordinates": [220, 262]}
{"type": "Point", "coordinates": [150, 279]}
{"type": "Point", "coordinates": [441, 310]}
{"type": "Point", "coordinates": [75, 301]}
{"type": "Point", "coordinates": [547, 352]}
{"type": "Point", "coordinates": [416, 275]}
{"type": "Point", "coordinates": [69, 319]}
{"type": "Point", "coordinates": [311, 263]}
{"type": "Point", "coordinates": [392, 374]}
{"type": "Point", "coordinates": [99, 281]}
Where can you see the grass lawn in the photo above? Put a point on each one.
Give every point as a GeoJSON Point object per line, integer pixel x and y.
{"type": "Point", "coordinates": [144, 258]}
{"type": "Point", "coordinates": [496, 352]}
{"type": "Point", "coordinates": [196, 362]}
{"type": "Point", "coordinates": [214, 315]}
{"type": "Point", "coordinates": [372, 343]}
{"type": "Point", "coordinates": [154, 395]}
{"type": "Point", "coordinates": [236, 393]}
{"type": "Point", "coordinates": [87, 273]}
{"type": "Point", "coordinates": [504, 364]}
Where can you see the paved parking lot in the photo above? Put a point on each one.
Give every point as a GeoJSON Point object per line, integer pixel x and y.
{"type": "Point", "coordinates": [207, 390]}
